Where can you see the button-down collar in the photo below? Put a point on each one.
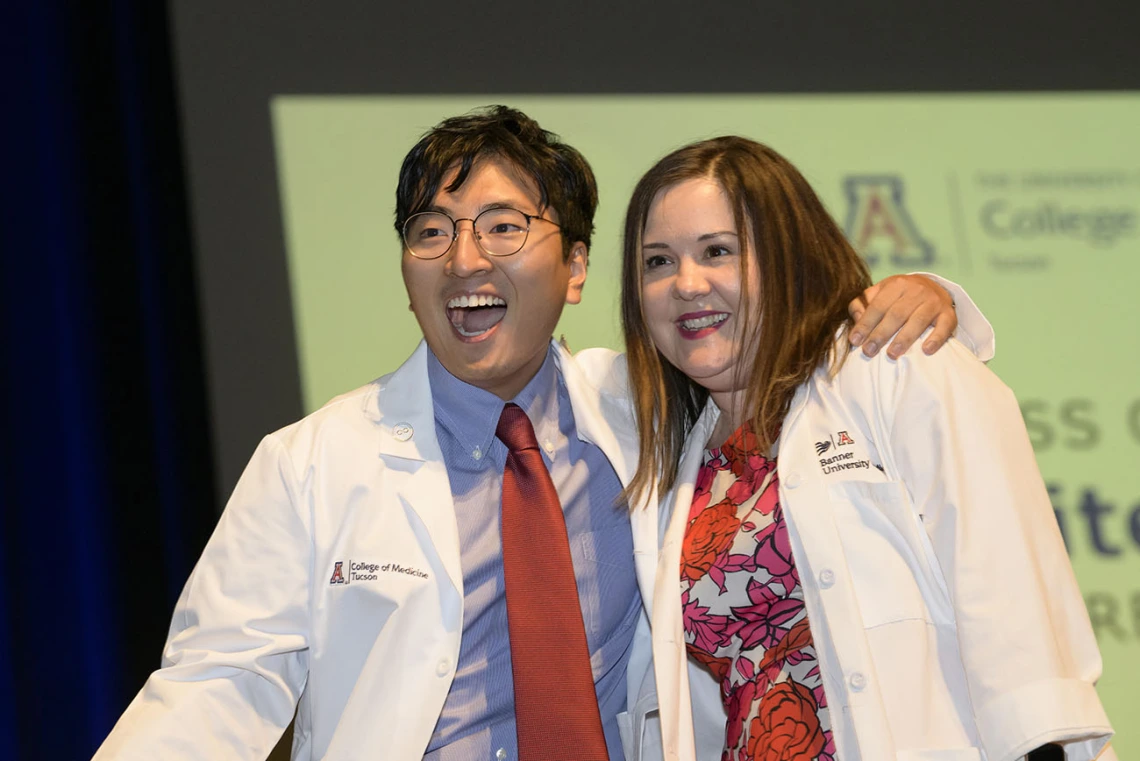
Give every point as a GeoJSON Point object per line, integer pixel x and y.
{"type": "Point", "coordinates": [471, 414]}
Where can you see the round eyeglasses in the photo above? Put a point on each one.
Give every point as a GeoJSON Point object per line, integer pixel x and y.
{"type": "Point", "coordinates": [499, 232]}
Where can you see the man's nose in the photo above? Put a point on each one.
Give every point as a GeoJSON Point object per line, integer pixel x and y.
{"type": "Point", "coordinates": [466, 257]}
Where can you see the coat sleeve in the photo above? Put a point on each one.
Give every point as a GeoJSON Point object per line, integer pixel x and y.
{"type": "Point", "coordinates": [236, 658]}
{"type": "Point", "coordinates": [974, 330]}
{"type": "Point", "coordinates": [959, 445]}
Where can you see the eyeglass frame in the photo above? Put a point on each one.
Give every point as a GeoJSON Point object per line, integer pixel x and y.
{"type": "Point", "coordinates": [455, 231]}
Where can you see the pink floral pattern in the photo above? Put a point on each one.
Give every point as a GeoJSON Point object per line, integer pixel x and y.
{"type": "Point", "coordinates": [743, 610]}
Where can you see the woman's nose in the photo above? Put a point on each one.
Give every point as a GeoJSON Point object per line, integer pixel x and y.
{"type": "Point", "coordinates": [691, 282]}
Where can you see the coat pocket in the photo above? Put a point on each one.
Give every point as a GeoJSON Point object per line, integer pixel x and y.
{"type": "Point", "coordinates": [640, 730]}
{"type": "Point", "coordinates": [883, 542]}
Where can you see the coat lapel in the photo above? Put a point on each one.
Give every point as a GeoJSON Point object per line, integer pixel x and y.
{"type": "Point", "coordinates": [603, 416]}
{"type": "Point", "coordinates": [669, 655]}
{"type": "Point", "coordinates": [402, 408]}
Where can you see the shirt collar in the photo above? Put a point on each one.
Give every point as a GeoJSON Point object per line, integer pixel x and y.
{"type": "Point", "coordinates": [471, 414]}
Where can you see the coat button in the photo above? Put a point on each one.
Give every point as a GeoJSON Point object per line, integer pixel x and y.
{"type": "Point", "coordinates": [857, 681]}
{"type": "Point", "coordinates": [792, 481]}
{"type": "Point", "coordinates": [443, 667]}
{"type": "Point", "coordinates": [826, 578]}
{"type": "Point", "coordinates": [402, 431]}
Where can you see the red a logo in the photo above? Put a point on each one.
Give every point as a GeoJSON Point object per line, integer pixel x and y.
{"type": "Point", "coordinates": [338, 575]}
{"type": "Point", "coordinates": [879, 225]}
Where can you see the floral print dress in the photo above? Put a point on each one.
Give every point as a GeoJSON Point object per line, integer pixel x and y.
{"type": "Point", "coordinates": [743, 610]}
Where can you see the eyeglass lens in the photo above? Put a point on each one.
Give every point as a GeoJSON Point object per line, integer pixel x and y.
{"type": "Point", "coordinates": [500, 232]}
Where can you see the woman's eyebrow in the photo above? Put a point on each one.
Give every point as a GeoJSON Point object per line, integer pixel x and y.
{"type": "Point", "coordinates": [707, 236]}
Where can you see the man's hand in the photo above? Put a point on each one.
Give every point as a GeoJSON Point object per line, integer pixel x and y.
{"type": "Point", "coordinates": [908, 305]}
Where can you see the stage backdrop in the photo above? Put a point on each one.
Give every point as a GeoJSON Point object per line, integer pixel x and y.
{"type": "Point", "coordinates": [1030, 201]}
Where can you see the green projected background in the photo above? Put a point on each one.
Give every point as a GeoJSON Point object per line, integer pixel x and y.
{"type": "Point", "coordinates": [1032, 202]}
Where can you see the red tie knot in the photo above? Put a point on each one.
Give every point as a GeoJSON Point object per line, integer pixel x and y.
{"type": "Point", "coordinates": [515, 429]}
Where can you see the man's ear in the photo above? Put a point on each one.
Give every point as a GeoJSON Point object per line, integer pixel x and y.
{"type": "Point", "coordinates": [579, 258]}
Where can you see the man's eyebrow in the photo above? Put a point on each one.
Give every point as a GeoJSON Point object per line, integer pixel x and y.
{"type": "Point", "coordinates": [502, 205]}
{"type": "Point", "coordinates": [484, 207]}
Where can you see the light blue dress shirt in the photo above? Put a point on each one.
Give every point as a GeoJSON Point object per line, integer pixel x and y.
{"type": "Point", "coordinates": [478, 718]}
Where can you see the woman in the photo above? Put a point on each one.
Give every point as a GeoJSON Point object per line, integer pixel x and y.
{"type": "Point", "coordinates": [860, 551]}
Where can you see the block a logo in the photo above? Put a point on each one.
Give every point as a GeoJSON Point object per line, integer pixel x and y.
{"type": "Point", "coordinates": [879, 225]}
{"type": "Point", "coordinates": [338, 573]}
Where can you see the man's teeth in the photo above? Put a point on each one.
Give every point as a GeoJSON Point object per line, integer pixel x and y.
{"type": "Point", "coordinates": [481, 300]}
{"type": "Point", "coordinates": [703, 322]}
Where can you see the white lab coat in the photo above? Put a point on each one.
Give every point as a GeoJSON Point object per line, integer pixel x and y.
{"type": "Point", "coordinates": [260, 625]}
{"type": "Point", "coordinates": [941, 600]}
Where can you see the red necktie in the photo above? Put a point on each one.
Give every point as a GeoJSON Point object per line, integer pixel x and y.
{"type": "Point", "coordinates": [556, 706]}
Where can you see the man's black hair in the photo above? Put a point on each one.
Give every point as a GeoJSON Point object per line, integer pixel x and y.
{"type": "Point", "coordinates": [564, 179]}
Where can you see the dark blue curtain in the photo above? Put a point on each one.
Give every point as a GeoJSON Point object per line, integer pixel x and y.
{"type": "Point", "coordinates": [106, 488]}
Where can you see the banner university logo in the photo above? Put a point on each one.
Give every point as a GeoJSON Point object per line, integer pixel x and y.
{"type": "Point", "coordinates": [839, 461]}
{"type": "Point", "coordinates": [879, 225]}
{"type": "Point", "coordinates": [838, 439]}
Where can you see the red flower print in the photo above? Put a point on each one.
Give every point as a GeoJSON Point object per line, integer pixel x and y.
{"type": "Point", "coordinates": [787, 727]}
{"type": "Point", "coordinates": [764, 620]}
{"type": "Point", "coordinates": [708, 632]}
{"type": "Point", "coordinates": [770, 499]}
{"type": "Point", "coordinates": [702, 490]}
{"type": "Point", "coordinates": [742, 451]}
{"type": "Point", "coordinates": [796, 639]}
{"type": "Point", "coordinates": [717, 666]}
{"type": "Point", "coordinates": [774, 554]}
{"type": "Point", "coordinates": [740, 445]}
{"type": "Point", "coordinates": [740, 491]}
{"type": "Point", "coordinates": [738, 707]}
{"type": "Point", "coordinates": [743, 610]}
{"type": "Point", "coordinates": [708, 536]}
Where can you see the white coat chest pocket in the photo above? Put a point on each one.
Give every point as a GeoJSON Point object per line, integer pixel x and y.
{"type": "Point", "coordinates": [884, 546]}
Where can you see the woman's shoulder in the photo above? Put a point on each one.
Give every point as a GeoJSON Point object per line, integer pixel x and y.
{"type": "Point", "coordinates": [604, 369]}
{"type": "Point", "coordinates": [952, 370]}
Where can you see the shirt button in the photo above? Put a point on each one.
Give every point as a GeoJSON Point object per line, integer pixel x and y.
{"type": "Point", "coordinates": [826, 578]}
{"type": "Point", "coordinates": [443, 667]}
{"type": "Point", "coordinates": [857, 681]}
{"type": "Point", "coordinates": [500, 754]}
{"type": "Point", "coordinates": [477, 453]}
{"type": "Point", "coordinates": [548, 445]}
{"type": "Point", "coordinates": [792, 481]}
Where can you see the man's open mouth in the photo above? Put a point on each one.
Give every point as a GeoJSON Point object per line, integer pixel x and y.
{"type": "Point", "coordinates": [473, 315]}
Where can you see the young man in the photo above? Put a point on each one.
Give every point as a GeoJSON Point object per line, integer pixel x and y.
{"type": "Point", "coordinates": [390, 563]}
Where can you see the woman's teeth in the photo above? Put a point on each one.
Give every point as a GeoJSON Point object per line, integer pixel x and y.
{"type": "Point", "coordinates": [703, 322]}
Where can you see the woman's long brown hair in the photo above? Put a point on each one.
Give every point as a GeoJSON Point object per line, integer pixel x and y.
{"type": "Point", "coordinates": [807, 273]}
